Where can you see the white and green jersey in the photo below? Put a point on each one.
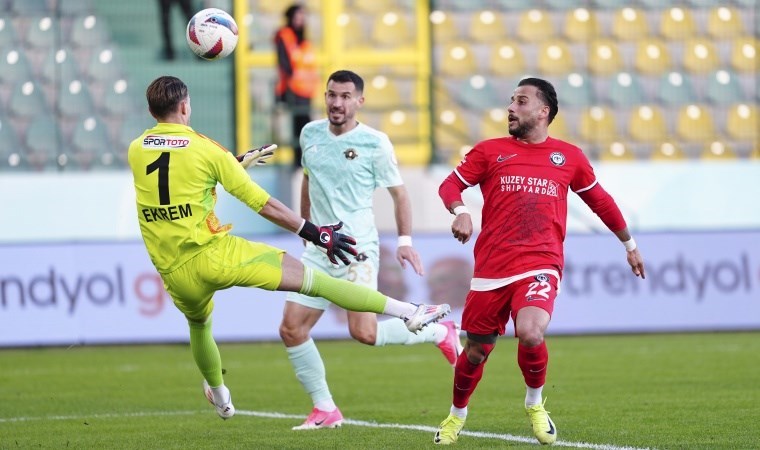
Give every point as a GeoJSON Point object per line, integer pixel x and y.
{"type": "Point", "coordinates": [344, 172]}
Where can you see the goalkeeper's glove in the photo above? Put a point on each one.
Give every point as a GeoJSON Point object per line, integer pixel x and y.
{"type": "Point", "coordinates": [257, 156]}
{"type": "Point", "coordinates": [327, 237]}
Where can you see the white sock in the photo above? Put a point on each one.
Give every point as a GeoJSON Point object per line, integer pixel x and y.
{"type": "Point", "coordinates": [398, 309]}
{"type": "Point", "coordinates": [326, 405]}
{"type": "Point", "coordinates": [394, 331]}
{"type": "Point", "coordinates": [459, 412]}
{"type": "Point", "coordinates": [439, 332]}
{"type": "Point", "coordinates": [533, 396]}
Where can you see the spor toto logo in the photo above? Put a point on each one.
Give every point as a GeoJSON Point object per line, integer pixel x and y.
{"type": "Point", "coordinates": [157, 141]}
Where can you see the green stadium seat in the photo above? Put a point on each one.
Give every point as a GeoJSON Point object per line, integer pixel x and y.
{"type": "Point", "coordinates": [625, 90]}
{"type": "Point", "coordinates": [702, 4]}
{"type": "Point", "coordinates": [477, 93]}
{"type": "Point", "coordinates": [8, 36]}
{"type": "Point", "coordinates": [90, 139]}
{"type": "Point", "coordinates": [27, 100]}
{"type": "Point", "coordinates": [565, 4]}
{"type": "Point", "coordinates": [14, 66]}
{"type": "Point", "coordinates": [723, 88]}
{"type": "Point", "coordinates": [68, 8]}
{"type": "Point", "coordinates": [43, 140]}
{"type": "Point", "coordinates": [58, 66]}
{"type": "Point", "coordinates": [658, 4]}
{"type": "Point", "coordinates": [512, 5]}
{"type": "Point", "coordinates": [10, 148]}
{"type": "Point", "coordinates": [675, 88]}
{"type": "Point", "coordinates": [575, 90]}
{"type": "Point", "coordinates": [89, 31]}
{"type": "Point", "coordinates": [29, 7]}
{"type": "Point", "coordinates": [131, 127]}
{"type": "Point", "coordinates": [611, 4]}
{"type": "Point", "coordinates": [105, 65]}
{"type": "Point", "coordinates": [118, 99]}
{"type": "Point", "coordinates": [73, 99]}
{"type": "Point", "coordinates": [44, 32]}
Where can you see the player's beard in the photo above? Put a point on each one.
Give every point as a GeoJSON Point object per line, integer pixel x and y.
{"type": "Point", "coordinates": [523, 128]}
{"type": "Point", "coordinates": [337, 123]}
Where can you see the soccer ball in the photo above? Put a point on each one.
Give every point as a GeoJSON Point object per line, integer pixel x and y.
{"type": "Point", "coordinates": [212, 34]}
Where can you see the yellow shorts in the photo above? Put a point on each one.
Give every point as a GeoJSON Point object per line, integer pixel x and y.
{"type": "Point", "coordinates": [231, 261]}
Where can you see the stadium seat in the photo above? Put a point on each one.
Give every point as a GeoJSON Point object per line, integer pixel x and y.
{"type": "Point", "coordinates": [90, 139]}
{"type": "Point", "coordinates": [401, 126]}
{"type": "Point", "coordinates": [461, 5]}
{"type": "Point", "coordinates": [695, 123]}
{"type": "Point", "coordinates": [118, 99]}
{"type": "Point", "coordinates": [718, 150]}
{"type": "Point", "coordinates": [29, 7]}
{"type": "Point", "coordinates": [743, 122]}
{"type": "Point", "coordinates": [597, 124]}
{"type": "Point", "coordinates": [104, 65]}
{"type": "Point", "coordinates": [554, 58]}
{"type": "Point", "coordinates": [616, 151]}
{"type": "Point", "coordinates": [700, 56]}
{"type": "Point", "coordinates": [725, 22]}
{"type": "Point", "coordinates": [658, 5]}
{"type": "Point", "coordinates": [723, 88]}
{"type": "Point", "coordinates": [68, 8]}
{"type": "Point", "coordinates": [652, 57]}
{"type": "Point", "coordinates": [575, 90]}
{"type": "Point", "coordinates": [675, 88]}
{"type": "Point", "coordinates": [477, 93]}
{"type": "Point", "coordinates": [89, 31]}
{"type": "Point", "coordinates": [58, 66]}
{"type": "Point", "coordinates": [444, 28]}
{"type": "Point", "coordinates": [392, 29]}
{"type": "Point", "coordinates": [506, 59]}
{"type": "Point", "coordinates": [625, 90]}
{"type": "Point", "coordinates": [604, 57]}
{"type": "Point", "coordinates": [563, 5]}
{"type": "Point", "coordinates": [381, 92]}
{"type": "Point", "coordinates": [581, 25]}
{"type": "Point", "coordinates": [450, 129]}
{"type": "Point", "coordinates": [8, 36]}
{"type": "Point", "coordinates": [493, 123]}
{"type": "Point", "coordinates": [647, 124]}
{"type": "Point", "coordinates": [353, 31]}
{"type": "Point", "coordinates": [10, 148]}
{"type": "Point", "coordinates": [535, 25]}
{"type": "Point", "coordinates": [487, 26]}
{"type": "Point", "coordinates": [512, 5]}
{"type": "Point", "coordinates": [43, 139]}
{"type": "Point", "coordinates": [744, 54]}
{"type": "Point", "coordinates": [611, 4]}
{"type": "Point", "coordinates": [43, 33]}
{"type": "Point", "coordinates": [666, 151]}
{"type": "Point", "coordinates": [27, 100]}
{"type": "Point", "coordinates": [559, 129]}
{"type": "Point", "coordinates": [457, 60]}
{"type": "Point", "coordinates": [14, 66]}
{"type": "Point", "coordinates": [677, 23]}
{"type": "Point", "coordinates": [374, 6]}
{"type": "Point", "coordinates": [73, 99]}
{"type": "Point", "coordinates": [131, 127]}
{"type": "Point", "coordinates": [630, 24]}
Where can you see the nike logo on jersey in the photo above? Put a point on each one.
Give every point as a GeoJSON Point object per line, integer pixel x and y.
{"type": "Point", "coordinates": [502, 158]}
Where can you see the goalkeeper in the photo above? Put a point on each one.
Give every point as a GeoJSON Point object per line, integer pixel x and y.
{"type": "Point", "coordinates": [175, 171]}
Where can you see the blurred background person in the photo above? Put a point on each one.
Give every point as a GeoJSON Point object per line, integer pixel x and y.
{"type": "Point", "coordinates": [165, 13]}
{"type": "Point", "coordinates": [297, 74]}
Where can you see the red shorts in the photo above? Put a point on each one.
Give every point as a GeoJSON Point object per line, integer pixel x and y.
{"type": "Point", "coordinates": [487, 312]}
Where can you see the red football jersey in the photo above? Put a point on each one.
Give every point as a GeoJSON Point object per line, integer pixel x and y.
{"type": "Point", "coordinates": [525, 189]}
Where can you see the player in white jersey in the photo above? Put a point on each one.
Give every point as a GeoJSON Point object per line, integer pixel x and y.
{"type": "Point", "coordinates": [344, 162]}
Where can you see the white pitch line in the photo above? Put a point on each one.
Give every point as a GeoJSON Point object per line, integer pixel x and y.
{"type": "Point", "coordinates": [358, 423]}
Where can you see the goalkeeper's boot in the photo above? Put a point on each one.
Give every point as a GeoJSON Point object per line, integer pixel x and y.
{"type": "Point", "coordinates": [451, 345]}
{"type": "Point", "coordinates": [224, 408]}
{"type": "Point", "coordinates": [321, 419]}
{"type": "Point", "coordinates": [425, 315]}
{"type": "Point", "coordinates": [542, 424]}
{"type": "Point", "coordinates": [448, 430]}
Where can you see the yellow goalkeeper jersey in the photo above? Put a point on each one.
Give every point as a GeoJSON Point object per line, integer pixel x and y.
{"type": "Point", "coordinates": [175, 171]}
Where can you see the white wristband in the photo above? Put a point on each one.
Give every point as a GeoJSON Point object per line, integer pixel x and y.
{"type": "Point", "coordinates": [630, 245]}
{"type": "Point", "coordinates": [461, 209]}
{"type": "Point", "coordinates": [404, 241]}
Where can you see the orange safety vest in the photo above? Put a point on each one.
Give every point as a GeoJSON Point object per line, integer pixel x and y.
{"type": "Point", "coordinates": [305, 79]}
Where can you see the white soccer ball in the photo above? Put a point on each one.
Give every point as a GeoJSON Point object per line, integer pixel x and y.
{"type": "Point", "coordinates": [212, 33]}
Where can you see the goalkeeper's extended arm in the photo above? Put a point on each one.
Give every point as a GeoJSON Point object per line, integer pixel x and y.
{"type": "Point", "coordinates": [327, 237]}
{"type": "Point", "coordinates": [257, 156]}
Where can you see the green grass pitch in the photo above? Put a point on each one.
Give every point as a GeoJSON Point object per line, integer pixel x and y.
{"type": "Point", "coordinates": [665, 391]}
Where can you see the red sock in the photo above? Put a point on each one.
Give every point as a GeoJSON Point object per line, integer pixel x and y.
{"type": "Point", "coordinates": [533, 362]}
{"type": "Point", "coordinates": [466, 377]}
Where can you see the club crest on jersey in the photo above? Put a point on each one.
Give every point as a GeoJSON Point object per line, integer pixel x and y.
{"type": "Point", "coordinates": [557, 158]}
{"type": "Point", "coordinates": [350, 154]}
{"type": "Point", "coordinates": [542, 277]}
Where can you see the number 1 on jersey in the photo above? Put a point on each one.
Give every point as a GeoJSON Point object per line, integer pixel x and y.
{"type": "Point", "coordinates": [162, 165]}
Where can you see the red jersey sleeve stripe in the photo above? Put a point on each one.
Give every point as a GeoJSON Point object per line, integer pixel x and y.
{"type": "Point", "coordinates": [587, 187]}
{"type": "Point", "coordinates": [461, 178]}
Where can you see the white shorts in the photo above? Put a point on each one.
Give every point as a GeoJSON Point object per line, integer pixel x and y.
{"type": "Point", "coordinates": [362, 271]}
